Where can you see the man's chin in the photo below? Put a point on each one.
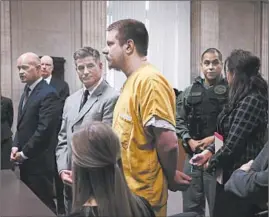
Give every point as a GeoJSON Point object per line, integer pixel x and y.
{"type": "Point", "coordinates": [110, 66]}
{"type": "Point", "coordinates": [212, 78]}
{"type": "Point", "coordinates": [115, 68]}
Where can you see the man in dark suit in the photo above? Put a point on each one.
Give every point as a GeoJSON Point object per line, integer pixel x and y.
{"type": "Point", "coordinates": [6, 133]}
{"type": "Point", "coordinates": [62, 89]}
{"type": "Point", "coordinates": [38, 116]}
{"type": "Point", "coordinates": [46, 72]}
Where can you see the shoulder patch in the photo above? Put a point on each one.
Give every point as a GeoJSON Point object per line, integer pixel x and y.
{"type": "Point", "coordinates": [220, 89]}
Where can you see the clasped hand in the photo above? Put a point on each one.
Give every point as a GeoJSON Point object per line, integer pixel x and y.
{"type": "Point", "coordinates": [66, 176]}
{"type": "Point", "coordinates": [16, 156]}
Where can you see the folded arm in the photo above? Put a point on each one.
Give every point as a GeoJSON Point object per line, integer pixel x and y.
{"type": "Point", "coordinates": [248, 185]}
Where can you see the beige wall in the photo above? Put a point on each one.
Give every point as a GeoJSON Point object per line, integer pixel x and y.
{"type": "Point", "coordinates": [228, 25]}
{"type": "Point", "coordinates": [46, 27]}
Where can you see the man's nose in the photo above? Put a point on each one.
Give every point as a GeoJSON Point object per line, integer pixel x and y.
{"type": "Point", "coordinates": [86, 70]}
{"type": "Point", "coordinates": [105, 50]}
{"type": "Point", "coordinates": [21, 71]}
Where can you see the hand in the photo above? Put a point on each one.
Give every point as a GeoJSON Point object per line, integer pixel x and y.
{"type": "Point", "coordinates": [194, 144]}
{"type": "Point", "coordinates": [14, 150]}
{"type": "Point", "coordinates": [182, 178]}
{"type": "Point", "coordinates": [200, 159]}
{"type": "Point", "coordinates": [246, 167]}
{"type": "Point", "coordinates": [207, 141]}
{"type": "Point", "coordinates": [18, 157]}
{"type": "Point", "coordinates": [66, 176]}
{"type": "Point", "coordinates": [181, 182]}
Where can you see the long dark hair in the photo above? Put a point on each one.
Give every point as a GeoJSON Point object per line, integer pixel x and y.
{"type": "Point", "coordinates": [245, 69]}
{"type": "Point", "coordinates": [95, 151]}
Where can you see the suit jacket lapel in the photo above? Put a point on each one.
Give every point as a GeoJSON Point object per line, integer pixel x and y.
{"type": "Point", "coordinates": [93, 98]}
{"type": "Point", "coordinates": [20, 105]}
{"type": "Point", "coordinates": [52, 82]}
{"type": "Point", "coordinates": [78, 98]}
{"type": "Point", "coordinates": [32, 95]}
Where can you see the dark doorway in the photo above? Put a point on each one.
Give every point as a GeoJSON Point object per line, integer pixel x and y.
{"type": "Point", "coordinates": [58, 71]}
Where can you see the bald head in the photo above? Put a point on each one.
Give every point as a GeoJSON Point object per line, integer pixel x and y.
{"type": "Point", "coordinates": [30, 58]}
{"type": "Point", "coordinates": [46, 66]}
{"type": "Point", "coordinates": [28, 65]}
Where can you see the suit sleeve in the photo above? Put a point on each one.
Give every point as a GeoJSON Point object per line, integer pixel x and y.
{"type": "Point", "coordinates": [62, 149]}
{"type": "Point", "coordinates": [65, 92]}
{"type": "Point", "coordinates": [47, 119]}
{"type": "Point", "coordinates": [248, 185]}
{"type": "Point", "coordinates": [108, 110]}
{"type": "Point", "coordinates": [181, 117]}
{"type": "Point", "coordinates": [252, 184]}
{"type": "Point", "coordinates": [10, 112]}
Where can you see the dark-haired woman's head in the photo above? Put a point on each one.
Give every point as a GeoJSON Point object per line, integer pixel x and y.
{"type": "Point", "coordinates": [242, 69]}
{"type": "Point", "coordinates": [96, 174]}
{"type": "Point", "coordinates": [95, 146]}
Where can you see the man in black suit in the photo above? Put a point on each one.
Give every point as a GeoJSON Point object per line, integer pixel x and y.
{"type": "Point", "coordinates": [62, 89]}
{"type": "Point", "coordinates": [46, 72]}
{"type": "Point", "coordinates": [38, 116]}
{"type": "Point", "coordinates": [6, 133]}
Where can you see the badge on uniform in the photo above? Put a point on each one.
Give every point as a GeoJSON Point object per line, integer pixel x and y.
{"type": "Point", "coordinates": [220, 89]}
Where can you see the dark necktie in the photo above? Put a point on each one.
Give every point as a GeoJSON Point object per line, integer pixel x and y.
{"type": "Point", "coordinates": [85, 98]}
{"type": "Point", "coordinates": [26, 94]}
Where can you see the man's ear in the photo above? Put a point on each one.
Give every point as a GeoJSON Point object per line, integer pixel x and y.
{"type": "Point", "coordinates": [130, 46]}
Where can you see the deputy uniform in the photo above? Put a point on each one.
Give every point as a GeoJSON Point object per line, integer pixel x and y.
{"type": "Point", "coordinates": [200, 105]}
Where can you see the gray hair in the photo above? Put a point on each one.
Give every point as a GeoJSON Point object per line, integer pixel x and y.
{"type": "Point", "coordinates": [85, 52]}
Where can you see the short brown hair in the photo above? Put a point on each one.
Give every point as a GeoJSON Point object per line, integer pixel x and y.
{"type": "Point", "coordinates": [132, 29]}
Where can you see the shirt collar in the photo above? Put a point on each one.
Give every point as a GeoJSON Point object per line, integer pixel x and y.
{"type": "Point", "coordinates": [33, 85]}
{"type": "Point", "coordinates": [92, 89]}
{"type": "Point", "coordinates": [48, 79]}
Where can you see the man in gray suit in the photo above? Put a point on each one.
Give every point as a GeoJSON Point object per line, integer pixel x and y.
{"type": "Point", "coordinates": [94, 102]}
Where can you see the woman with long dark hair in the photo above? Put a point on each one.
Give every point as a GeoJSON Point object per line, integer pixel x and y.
{"type": "Point", "coordinates": [99, 187]}
{"type": "Point", "coordinates": [242, 124]}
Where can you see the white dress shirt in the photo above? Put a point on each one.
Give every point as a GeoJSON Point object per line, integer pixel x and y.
{"type": "Point", "coordinates": [48, 79]}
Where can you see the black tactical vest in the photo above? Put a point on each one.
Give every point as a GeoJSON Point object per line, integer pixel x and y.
{"type": "Point", "coordinates": [203, 107]}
